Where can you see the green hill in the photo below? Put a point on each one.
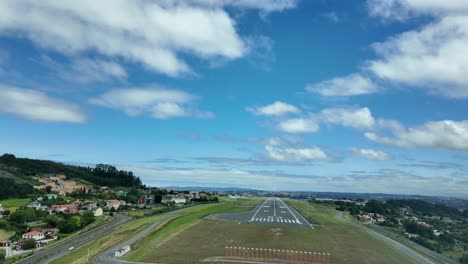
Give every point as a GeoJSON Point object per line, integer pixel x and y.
{"type": "Point", "coordinates": [16, 175]}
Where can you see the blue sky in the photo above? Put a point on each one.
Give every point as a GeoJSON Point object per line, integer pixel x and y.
{"type": "Point", "coordinates": [348, 96]}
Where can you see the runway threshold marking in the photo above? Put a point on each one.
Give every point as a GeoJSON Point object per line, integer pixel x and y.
{"type": "Point", "coordinates": [260, 207]}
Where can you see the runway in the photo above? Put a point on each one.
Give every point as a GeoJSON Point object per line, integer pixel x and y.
{"type": "Point", "coordinates": [272, 211]}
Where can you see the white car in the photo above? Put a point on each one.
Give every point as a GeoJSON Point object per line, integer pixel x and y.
{"type": "Point", "coordinates": [71, 248]}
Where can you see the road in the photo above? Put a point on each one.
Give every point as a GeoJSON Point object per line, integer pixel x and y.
{"type": "Point", "coordinates": [107, 257]}
{"type": "Point", "coordinates": [405, 249]}
{"type": "Point", "coordinates": [272, 211]}
{"type": "Point", "coordinates": [403, 240]}
{"type": "Point", "coordinates": [55, 251]}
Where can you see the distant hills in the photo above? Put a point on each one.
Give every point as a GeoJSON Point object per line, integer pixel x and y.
{"type": "Point", "coordinates": [17, 175]}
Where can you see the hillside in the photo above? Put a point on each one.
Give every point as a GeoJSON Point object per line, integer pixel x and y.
{"type": "Point", "coordinates": [16, 175]}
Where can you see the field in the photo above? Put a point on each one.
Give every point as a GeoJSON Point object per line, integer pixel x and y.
{"type": "Point", "coordinates": [191, 239]}
{"type": "Point", "coordinates": [6, 234]}
{"type": "Point", "coordinates": [13, 203]}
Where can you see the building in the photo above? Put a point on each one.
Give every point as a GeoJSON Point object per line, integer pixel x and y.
{"type": "Point", "coordinates": [36, 205]}
{"type": "Point", "coordinates": [115, 204]}
{"type": "Point", "coordinates": [35, 235]}
{"type": "Point", "coordinates": [122, 251]}
{"type": "Point", "coordinates": [65, 208]}
{"type": "Point", "coordinates": [97, 211]}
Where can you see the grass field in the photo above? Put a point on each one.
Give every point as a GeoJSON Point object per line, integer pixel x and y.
{"type": "Point", "coordinates": [13, 203]}
{"type": "Point", "coordinates": [6, 234]}
{"type": "Point", "coordinates": [190, 239]}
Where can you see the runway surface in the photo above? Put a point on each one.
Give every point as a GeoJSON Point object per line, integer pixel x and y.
{"type": "Point", "coordinates": [272, 211]}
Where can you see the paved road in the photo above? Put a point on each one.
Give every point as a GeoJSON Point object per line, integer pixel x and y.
{"type": "Point", "coordinates": [271, 212]}
{"type": "Point", "coordinates": [56, 251]}
{"type": "Point", "coordinates": [107, 257]}
{"type": "Point", "coordinates": [408, 251]}
{"type": "Point", "coordinates": [440, 257]}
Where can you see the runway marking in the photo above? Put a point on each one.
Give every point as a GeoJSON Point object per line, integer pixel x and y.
{"type": "Point", "coordinates": [260, 207]}
{"type": "Point", "coordinates": [274, 207]}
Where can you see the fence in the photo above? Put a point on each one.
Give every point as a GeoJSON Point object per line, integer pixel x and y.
{"type": "Point", "coordinates": [269, 255]}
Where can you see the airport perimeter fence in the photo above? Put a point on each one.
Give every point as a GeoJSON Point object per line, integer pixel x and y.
{"type": "Point", "coordinates": [268, 255]}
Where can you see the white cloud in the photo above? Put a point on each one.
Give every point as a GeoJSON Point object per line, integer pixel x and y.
{"type": "Point", "coordinates": [294, 154]}
{"type": "Point", "coordinates": [154, 34]}
{"type": "Point", "coordinates": [360, 118]}
{"type": "Point", "coordinates": [371, 154]}
{"type": "Point", "coordinates": [85, 70]}
{"type": "Point", "coordinates": [403, 9]}
{"type": "Point", "coordinates": [446, 134]}
{"type": "Point", "coordinates": [262, 5]}
{"type": "Point", "coordinates": [299, 125]}
{"type": "Point", "coordinates": [433, 58]}
{"type": "Point", "coordinates": [160, 103]}
{"type": "Point", "coordinates": [275, 109]}
{"type": "Point", "coordinates": [35, 105]}
{"type": "Point", "coordinates": [351, 85]}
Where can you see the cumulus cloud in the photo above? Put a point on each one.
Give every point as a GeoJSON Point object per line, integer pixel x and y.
{"type": "Point", "coordinates": [275, 109]}
{"type": "Point", "coordinates": [262, 5]}
{"type": "Point", "coordinates": [371, 154]}
{"type": "Point", "coordinates": [359, 118]}
{"type": "Point", "coordinates": [299, 154]}
{"type": "Point", "coordinates": [85, 70]}
{"type": "Point", "coordinates": [404, 9]}
{"type": "Point", "coordinates": [35, 105]}
{"type": "Point", "coordinates": [299, 125]}
{"type": "Point", "coordinates": [445, 134]}
{"type": "Point", "coordinates": [154, 34]}
{"type": "Point", "coordinates": [160, 103]}
{"type": "Point", "coordinates": [432, 58]}
{"type": "Point", "coordinates": [351, 85]}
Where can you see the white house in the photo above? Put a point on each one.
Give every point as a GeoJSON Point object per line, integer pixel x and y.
{"type": "Point", "coordinates": [97, 211]}
{"type": "Point", "coordinates": [35, 235]}
{"type": "Point", "coordinates": [36, 205]}
{"type": "Point", "coordinates": [179, 199]}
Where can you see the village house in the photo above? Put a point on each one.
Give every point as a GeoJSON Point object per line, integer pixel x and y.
{"type": "Point", "coordinates": [65, 208]}
{"type": "Point", "coordinates": [35, 235]}
{"type": "Point", "coordinates": [97, 211]}
{"type": "Point", "coordinates": [115, 204]}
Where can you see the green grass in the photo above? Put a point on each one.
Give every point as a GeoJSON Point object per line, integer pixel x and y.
{"type": "Point", "coordinates": [4, 234]}
{"type": "Point", "coordinates": [190, 239]}
{"type": "Point", "coordinates": [191, 217]}
{"type": "Point", "coordinates": [13, 203]}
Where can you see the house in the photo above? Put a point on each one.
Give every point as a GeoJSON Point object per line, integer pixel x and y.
{"type": "Point", "coordinates": [409, 235]}
{"type": "Point", "coordinates": [97, 211]}
{"type": "Point", "coordinates": [65, 208]}
{"type": "Point", "coordinates": [50, 231]}
{"type": "Point", "coordinates": [179, 199]}
{"type": "Point", "coordinates": [437, 232]}
{"type": "Point", "coordinates": [35, 204]}
{"type": "Point", "coordinates": [35, 235]}
{"type": "Point", "coordinates": [51, 196]}
{"type": "Point", "coordinates": [115, 204]}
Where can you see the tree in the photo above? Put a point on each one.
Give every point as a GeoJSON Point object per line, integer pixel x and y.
{"type": "Point", "coordinates": [48, 189]}
{"type": "Point", "coordinates": [2, 255]}
{"type": "Point", "coordinates": [464, 259]}
{"type": "Point", "coordinates": [29, 244]}
{"type": "Point", "coordinates": [88, 218]}
{"type": "Point", "coordinates": [158, 198]}
{"type": "Point", "coordinates": [52, 221]}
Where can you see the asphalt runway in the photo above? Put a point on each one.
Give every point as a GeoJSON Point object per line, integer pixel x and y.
{"type": "Point", "coordinates": [272, 211]}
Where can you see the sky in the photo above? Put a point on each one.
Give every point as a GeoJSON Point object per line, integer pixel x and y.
{"type": "Point", "coordinates": [281, 95]}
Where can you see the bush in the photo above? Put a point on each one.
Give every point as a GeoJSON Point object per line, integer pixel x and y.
{"type": "Point", "coordinates": [30, 244]}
